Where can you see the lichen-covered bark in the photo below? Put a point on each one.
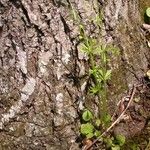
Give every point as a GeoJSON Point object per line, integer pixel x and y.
{"type": "Point", "coordinates": [38, 72]}
{"type": "Point", "coordinates": [43, 73]}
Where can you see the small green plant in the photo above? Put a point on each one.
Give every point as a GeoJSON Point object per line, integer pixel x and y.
{"type": "Point", "coordinates": [90, 129]}
{"type": "Point", "coordinates": [99, 55]}
{"type": "Point", "coordinates": [115, 143]}
{"type": "Point", "coordinates": [90, 126]}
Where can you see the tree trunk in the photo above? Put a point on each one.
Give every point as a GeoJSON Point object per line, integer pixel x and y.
{"type": "Point", "coordinates": [43, 74]}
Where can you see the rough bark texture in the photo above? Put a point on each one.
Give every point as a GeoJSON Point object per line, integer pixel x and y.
{"type": "Point", "coordinates": [43, 72]}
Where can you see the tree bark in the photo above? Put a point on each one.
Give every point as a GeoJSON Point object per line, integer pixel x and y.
{"type": "Point", "coordinates": [43, 74]}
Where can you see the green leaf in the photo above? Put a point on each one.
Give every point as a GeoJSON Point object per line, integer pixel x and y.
{"type": "Point", "coordinates": [88, 44]}
{"type": "Point", "coordinates": [83, 47]}
{"type": "Point", "coordinates": [81, 27]}
{"type": "Point", "coordinates": [98, 19]}
{"type": "Point", "coordinates": [81, 38]}
{"type": "Point", "coordinates": [106, 119]}
{"type": "Point", "coordinates": [120, 139]}
{"type": "Point", "coordinates": [103, 57]}
{"type": "Point", "coordinates": [86, 128]}
{"type": "Point", "coordinates": [87, 115]}
{"type": "Point", "coordinates": [107, 75]}
{"type": "Point", "coordinates": [115, 147]}
{"type": "Point", "coordinates": [148, 11]}
{"type": "Point", "coordinates": [98, 122]}
{"type": "Point", "coordinates": [134, 146]}
{"type": "Point", "coordinates": [89, 135]}
{"type": "Point", "coordinates": [97, 133]}
{"type": "Point", "coordinates": [101, 74]}
{"type": "Point", "coordinates": [94, 71]}
{"type": "Point", "coordinates": [94, 89]}
{"type": "Point", "coordinates": [109, 142]}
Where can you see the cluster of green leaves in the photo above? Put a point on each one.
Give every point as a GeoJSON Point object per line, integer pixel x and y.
{"type": "Point", "coordinates": [115, 143]}
{"type": "Point", "coordinates": [99, 54]}
{"type": "Point", "coordinates": [91, 128]}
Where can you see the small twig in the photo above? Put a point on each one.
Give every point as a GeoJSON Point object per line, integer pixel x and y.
{"type": "Point", "coordinates": [118, 104]}
{"type": "Point", "coordinates": [117, 120]}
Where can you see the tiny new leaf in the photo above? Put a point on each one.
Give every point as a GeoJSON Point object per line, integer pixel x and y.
{"type": "Point", "coordinates": [87, 115]}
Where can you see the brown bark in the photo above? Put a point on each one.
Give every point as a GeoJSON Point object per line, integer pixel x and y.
{"type": "Point", "coordinates": [43, 71]}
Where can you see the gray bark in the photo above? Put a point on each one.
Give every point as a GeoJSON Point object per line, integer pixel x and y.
{"type": "Point", "coordinates": [43, 72]}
